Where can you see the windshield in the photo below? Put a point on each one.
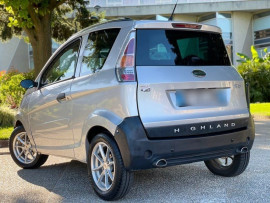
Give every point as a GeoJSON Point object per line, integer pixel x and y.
{"type": "Point", "coordinates": [180, 48]}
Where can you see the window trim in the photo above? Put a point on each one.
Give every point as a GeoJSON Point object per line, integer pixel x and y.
{"type": "Point", "coordinates": [55, 58]}
{"type": "Point", "coordinates": [83, 49]}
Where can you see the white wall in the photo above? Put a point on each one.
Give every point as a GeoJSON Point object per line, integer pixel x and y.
{"type": "Point", "coordinates": [20, 60]}
{"type": "Point", "coordinates": [7, 50]}
{"type": "Point", "coordinates": [14, 53]}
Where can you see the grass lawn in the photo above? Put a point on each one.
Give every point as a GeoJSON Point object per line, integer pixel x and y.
{"type": "Point", "coordinates": [262, 109]}
{"type": "Point", "coordinates": [5, 132]}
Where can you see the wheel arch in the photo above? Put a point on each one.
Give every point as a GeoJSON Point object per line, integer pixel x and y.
{"type": "Point", "coordinates": [95, 130]}
{"type": "Point", "coordinates": [22, 120]}
{"type": "Point", "coordinates": [18, 123]}
{"type": "Point", "coordinates": [99, 121]}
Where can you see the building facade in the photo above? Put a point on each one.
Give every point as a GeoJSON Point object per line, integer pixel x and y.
{"type": "Point", "coordinates": [243, 23]}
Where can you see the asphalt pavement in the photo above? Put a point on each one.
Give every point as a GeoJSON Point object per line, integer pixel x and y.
{"type": "Point", "coordinates": [64, 180]}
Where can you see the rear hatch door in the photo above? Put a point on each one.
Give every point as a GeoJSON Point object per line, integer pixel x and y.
{"type": "Point", "coordinates": [186, 85]}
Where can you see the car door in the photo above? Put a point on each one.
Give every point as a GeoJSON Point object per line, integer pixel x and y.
{"type": "Point", "coordinates": [50, 106]}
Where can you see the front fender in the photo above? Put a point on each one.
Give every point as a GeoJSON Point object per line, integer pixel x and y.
{"type": "Point", "coordinates": [103, 118]}
{"type": "Point", "coordinates": [22, 113]}
{"type": "Point", "coordinates": [21, 117]}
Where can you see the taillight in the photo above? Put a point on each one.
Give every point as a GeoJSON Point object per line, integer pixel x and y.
{"type": "Point", "coordinates": [186, 25]}
{"type": "Point", "coordinates": [125, 69]}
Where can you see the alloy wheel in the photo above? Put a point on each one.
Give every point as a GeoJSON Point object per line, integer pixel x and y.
{"type": "Point", "coordinates": [23, 149]}
{"type": "Point", "coordinates": [102, 166]}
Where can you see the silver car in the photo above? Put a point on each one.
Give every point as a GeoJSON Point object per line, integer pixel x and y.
{"type": "Point", "coordinates": [131, 95]}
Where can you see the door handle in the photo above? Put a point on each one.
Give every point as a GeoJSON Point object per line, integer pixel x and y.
{"type": "Point", "coordinates": [61, 97]}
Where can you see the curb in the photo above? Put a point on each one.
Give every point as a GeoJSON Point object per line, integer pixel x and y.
{"type": "Point", "coordinates": [3, 143]}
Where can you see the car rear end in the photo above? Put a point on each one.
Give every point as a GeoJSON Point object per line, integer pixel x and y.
{"type": "Point", "coordinates": [191, 102]}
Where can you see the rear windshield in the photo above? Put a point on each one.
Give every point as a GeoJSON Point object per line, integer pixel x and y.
{"type": "Point", "coordinates": [180, 48]}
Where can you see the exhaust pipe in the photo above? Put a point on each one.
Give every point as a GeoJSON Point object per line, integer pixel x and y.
{"type": "Point", "coordinates": [160, 163]}
{"type": "Point", "coordinates": [242, 150]}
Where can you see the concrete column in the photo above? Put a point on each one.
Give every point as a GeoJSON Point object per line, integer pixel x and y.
{"type": "Point", "coordinates": [242, 33]}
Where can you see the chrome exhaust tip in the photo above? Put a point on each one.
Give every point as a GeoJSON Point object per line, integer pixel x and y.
{"type": "Point", "coordinates": [243, 150]}
{"type": "Point", "coordinates": [161, 163]}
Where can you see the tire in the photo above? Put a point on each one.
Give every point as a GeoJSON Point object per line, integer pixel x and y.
{"type": "Point", "coordinates": [113, 166]}
{"type": "Point", "coordinates": [237, 166]}
{"type": "Point", "coordinates": [25, 157]}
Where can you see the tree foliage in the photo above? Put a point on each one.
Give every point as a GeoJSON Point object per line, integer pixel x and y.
{"type": "Point", "coordinates": [255, 56]}
{"type": "Point", "coordinates": [42, 20]}
{"type": "Point", "coordinates": [6, 31]}
{"type": "Point", "coordinates": [256, 71]}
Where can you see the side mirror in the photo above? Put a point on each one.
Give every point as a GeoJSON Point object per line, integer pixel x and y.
{"type": "Point", "coordinates": [28, 83]}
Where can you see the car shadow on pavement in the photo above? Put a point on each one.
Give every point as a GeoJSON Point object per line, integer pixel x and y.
{"type": "Point", "coordinates": [45, 176]}
{"type": "Point", "coordinates": [70, 180]}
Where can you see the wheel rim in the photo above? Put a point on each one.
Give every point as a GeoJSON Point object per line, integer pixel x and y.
{"type": "Point", "coordinates": [102, 166]}
{"type": "Point", "coordinates": [23, 149]}
{"type": "Point", "coordinates": [225, 161]}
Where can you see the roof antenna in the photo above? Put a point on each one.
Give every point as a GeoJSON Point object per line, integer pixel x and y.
{"type": "Point", "coordinates": [171, 17]}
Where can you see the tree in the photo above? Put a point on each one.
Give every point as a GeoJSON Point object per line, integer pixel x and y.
{"type": "Point", "coordinates": [42, 20]}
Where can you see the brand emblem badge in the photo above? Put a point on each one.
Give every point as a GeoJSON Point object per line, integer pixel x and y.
{"type": "Point", "coordinates": [208, 127]}
{"type": "Point", "coordinates": [145, 89]}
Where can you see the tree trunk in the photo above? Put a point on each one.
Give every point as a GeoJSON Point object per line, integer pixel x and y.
{"type": "Point", "coordinates": [40, 39]}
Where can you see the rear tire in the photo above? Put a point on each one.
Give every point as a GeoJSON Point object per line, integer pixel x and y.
{"type": "Point", "coordinates": [108, 175]}
{"type": "Point", "coordinates": [23, 152]}
{"type": "Point", "coordinates": [238, 165]}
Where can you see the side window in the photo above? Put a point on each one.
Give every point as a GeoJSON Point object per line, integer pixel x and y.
{"type": "Point", "coordinates": [63, 67]}
{"type": "Point", "coordinates": [97, 50]}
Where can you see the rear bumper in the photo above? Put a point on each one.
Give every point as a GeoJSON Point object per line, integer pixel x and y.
{"type": "Point", "coordinates": [139, 152]}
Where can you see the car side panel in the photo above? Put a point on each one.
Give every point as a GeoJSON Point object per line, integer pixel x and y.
{"type": "Point", "coordinates": [99, 100]}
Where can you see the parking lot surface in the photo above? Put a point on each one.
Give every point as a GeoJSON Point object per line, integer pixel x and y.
{"type": "Point", "coordinates": [63, 180]}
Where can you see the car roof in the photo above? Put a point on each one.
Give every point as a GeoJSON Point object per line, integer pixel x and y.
{"type": "Point", "coordinates": [145, 24]}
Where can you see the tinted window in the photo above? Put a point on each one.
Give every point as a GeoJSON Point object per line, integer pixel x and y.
{"type": "Point", "coordinates": [177, 47]}
{"type": "Point", "coordinates": [97, 50]}
{"type": "Point", "coordinates": [63, 67]}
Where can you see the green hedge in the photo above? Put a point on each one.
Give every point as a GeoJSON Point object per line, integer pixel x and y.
{"type": "Point", "coordinates": [5, 132]}
{"type": "Point", "coordinates": [6, 116]}
{"type": "Point", "coordinates": [256, 71]}
{"type": "Point", "coordinates": [11, 92]}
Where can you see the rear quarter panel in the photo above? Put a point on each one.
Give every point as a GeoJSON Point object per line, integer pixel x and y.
{"type": "Point", "coordinates": [99, 100]}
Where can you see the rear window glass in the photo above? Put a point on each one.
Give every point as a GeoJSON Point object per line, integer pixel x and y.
{"type": "Point", "coordinates": [180, 48]}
